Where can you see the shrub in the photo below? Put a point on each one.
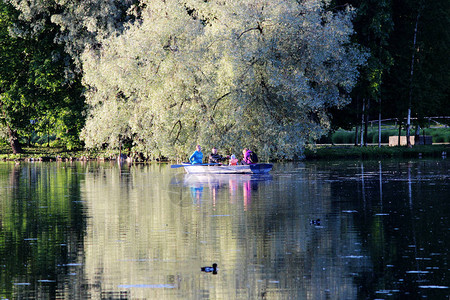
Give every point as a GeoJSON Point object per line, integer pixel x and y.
{"type": "Point", "coordinates": [338, 137]}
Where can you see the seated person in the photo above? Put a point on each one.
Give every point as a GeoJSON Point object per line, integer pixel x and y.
{"type": "Point", "coordinates": [214, 157]}
{"type": "Point", "coordinates": [233, 160]}
{"type": "Point", "coordinates": [249, 157]}
{"type": "Point", "coordinates": [197, 156]}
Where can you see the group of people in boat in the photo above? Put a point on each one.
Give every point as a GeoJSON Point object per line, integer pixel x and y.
{"type": "Point", "coordinates": [249, 157]}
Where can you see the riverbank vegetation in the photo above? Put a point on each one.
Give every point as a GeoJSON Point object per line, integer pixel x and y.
{"type": "Point", "coordinates": [158, 77]}
{"type": "Point", "coordinates": [42, 153]}
{"type": "Point", "coordinates": [351, 137]}
{"type": "Point", "coordinates": [375, 152]}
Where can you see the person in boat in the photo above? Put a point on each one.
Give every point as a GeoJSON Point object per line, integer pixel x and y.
{"type": "Point", "coordinates": [250, 157]}
{"type": "Point", "coordinates": [197, 156]}
{"type": "Point", "coordinates": [233, 160]}
{"type": "Point", "coordinates": [214, 157]}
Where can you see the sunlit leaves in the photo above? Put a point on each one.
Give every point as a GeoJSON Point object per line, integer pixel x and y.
{"type": "Point", "coordinates": [223, 73]}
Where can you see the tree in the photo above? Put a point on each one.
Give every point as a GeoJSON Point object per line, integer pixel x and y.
{"type": "Point", "coordinates": [252, 73]}
{"type": "Point", "coordinates": [57, 31]}
{"type": "Point", "coordinates": [77, 23]}
{"type": "Point", "coordinates": [373, 26]}
{"type": "Point", "coordinates": [408, 67]}
{"type": "Point", "coordinates": [424, 89]}
{"type": "Point", "coordinates": [32, 81]}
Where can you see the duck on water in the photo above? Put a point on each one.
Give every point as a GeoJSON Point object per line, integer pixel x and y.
{"type": "Point", "coordinates": [212, 269]}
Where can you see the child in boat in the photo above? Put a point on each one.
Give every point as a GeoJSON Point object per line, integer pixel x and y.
{"type": "Point", "coordinates": [233, 160]}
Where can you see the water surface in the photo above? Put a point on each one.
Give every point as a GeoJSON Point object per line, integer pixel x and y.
{"type": "Point", "coordinates": [315, 230]}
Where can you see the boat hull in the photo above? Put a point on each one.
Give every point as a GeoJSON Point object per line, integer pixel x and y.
{"type": "Point", "coordinates": [240, 169]}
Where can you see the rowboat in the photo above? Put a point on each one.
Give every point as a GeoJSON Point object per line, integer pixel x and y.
{"type": "Point", "coordinates": [224, 169]}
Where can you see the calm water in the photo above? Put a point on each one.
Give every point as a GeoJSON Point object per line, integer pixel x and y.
{"type": "Point", "coordinates": [103, 231]}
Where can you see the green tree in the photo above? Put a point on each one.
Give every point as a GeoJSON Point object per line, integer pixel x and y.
{"type": "Point", "coordinates": [419, 79]}
{"type": "Point", "coordinates": [373, 26]}
{"type": "Point", "coordinates": [408, 67]}
{"type": "Point", "coordinates": [77, 23]}
{"type": "Point", "coordinates": [221, 73]}
{"type": "Point", "coordinates": [33, 84]}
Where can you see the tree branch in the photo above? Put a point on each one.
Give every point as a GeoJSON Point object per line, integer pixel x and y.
{"type": "Point", "coordinates": [259, 28]}
{"type": "Point", "coordinates": [220, 98]}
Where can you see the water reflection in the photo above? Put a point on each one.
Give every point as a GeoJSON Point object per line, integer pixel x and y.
{"type": "Point", "coordinates": [41, 230]}
{"type": "Point", "coordinates": [211, 187]}
{"type": "Point", "coordinates": [99, 230]}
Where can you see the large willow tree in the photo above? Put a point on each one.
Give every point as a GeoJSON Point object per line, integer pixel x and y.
{"type": "Point", "coordinates": [224, 73]}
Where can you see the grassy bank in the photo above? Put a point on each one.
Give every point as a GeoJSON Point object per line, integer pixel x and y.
{"type": "Point", "coordinates": [374, 152]}
{"type": "Point", "coordinates": [318, 152]}
{"type": "Point", "coordinates": [439, 135]}
{"type": "Point", "coordinates": [54, 154]}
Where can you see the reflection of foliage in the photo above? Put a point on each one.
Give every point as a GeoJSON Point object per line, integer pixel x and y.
{"type": "Point", "coordinates": [40, 224]}
{"type": "Point", "coordinates": [260, 241]}
{"type": "Point", "coordinates": [400, 222]}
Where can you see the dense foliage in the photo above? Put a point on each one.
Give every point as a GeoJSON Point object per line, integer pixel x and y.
{"type": "Point", "coordinates": [409, 42]}
{"type": "Point", "coordinates": [35, 94]}
{"type": "Point", "coordinates": [257, 74]}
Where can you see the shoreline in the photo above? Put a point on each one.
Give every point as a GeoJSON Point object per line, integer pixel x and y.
{"type": "Point", "coordinates": [317, 152]}
{"type": "Point", "coordinates": [320, 152]}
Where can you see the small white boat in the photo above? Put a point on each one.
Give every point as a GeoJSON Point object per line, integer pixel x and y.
{"type": "Point", "coordinates": [224, 169]}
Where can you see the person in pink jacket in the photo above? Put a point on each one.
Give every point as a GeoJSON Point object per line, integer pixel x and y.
{"type": "Point", "coordinates": [249, 157]}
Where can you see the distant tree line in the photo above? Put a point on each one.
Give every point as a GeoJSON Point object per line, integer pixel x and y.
{"type": "Point", "coordinates": [161, 76]}
{"type": "Point", "coordinates": [406, 76]}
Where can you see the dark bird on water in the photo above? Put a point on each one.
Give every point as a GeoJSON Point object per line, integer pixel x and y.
{"type": "Point", "coordinates": [315, 222]}
{"type": "Point", "coordinates": [212, 269]}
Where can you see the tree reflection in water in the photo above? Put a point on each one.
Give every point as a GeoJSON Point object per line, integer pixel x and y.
{"type": "Point", "coordinates": [95, 230]}
{"type": "Point", "coordinates": [41, 230]}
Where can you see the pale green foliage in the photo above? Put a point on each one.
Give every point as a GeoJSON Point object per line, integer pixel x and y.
{"type": "Point", "coordinates": [81, 22]}
{"type": "Point", "coordinates": [228, 74]}
{"type": "Point", "coordinates": [3, 133]}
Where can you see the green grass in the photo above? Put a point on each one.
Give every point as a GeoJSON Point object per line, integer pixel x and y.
{"type": "Point", "coordinates": [439, 135]}
{"type": "Point", "coordinates": [374, 152]}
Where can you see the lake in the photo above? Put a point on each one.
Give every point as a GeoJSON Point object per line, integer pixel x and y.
{"type": "Point", "coordinates": [309, 230]}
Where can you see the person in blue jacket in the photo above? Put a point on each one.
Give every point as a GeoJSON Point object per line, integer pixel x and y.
{"type": "Point", "coordinates": [197, 156]}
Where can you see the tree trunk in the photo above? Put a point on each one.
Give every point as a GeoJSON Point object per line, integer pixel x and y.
{"type": "Point", "coordinates": [14, 141]}
{"type": "Point", "coordinates": [408, 128]}
{"type": "Point", "coordinates": [379, 129]}
{"type": "Point", "coordinates": [417, 136]}
{"type": "Point", "coordinates": [399, 132]}
{"type": "Point", "coordinates": [408, 124]}
{"type": "Point", "coordinates": [366, 121]}
{"type": "Point", "coordinates": [362, 121]}
{"type": "Point", "coordinates": [356, 126]}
